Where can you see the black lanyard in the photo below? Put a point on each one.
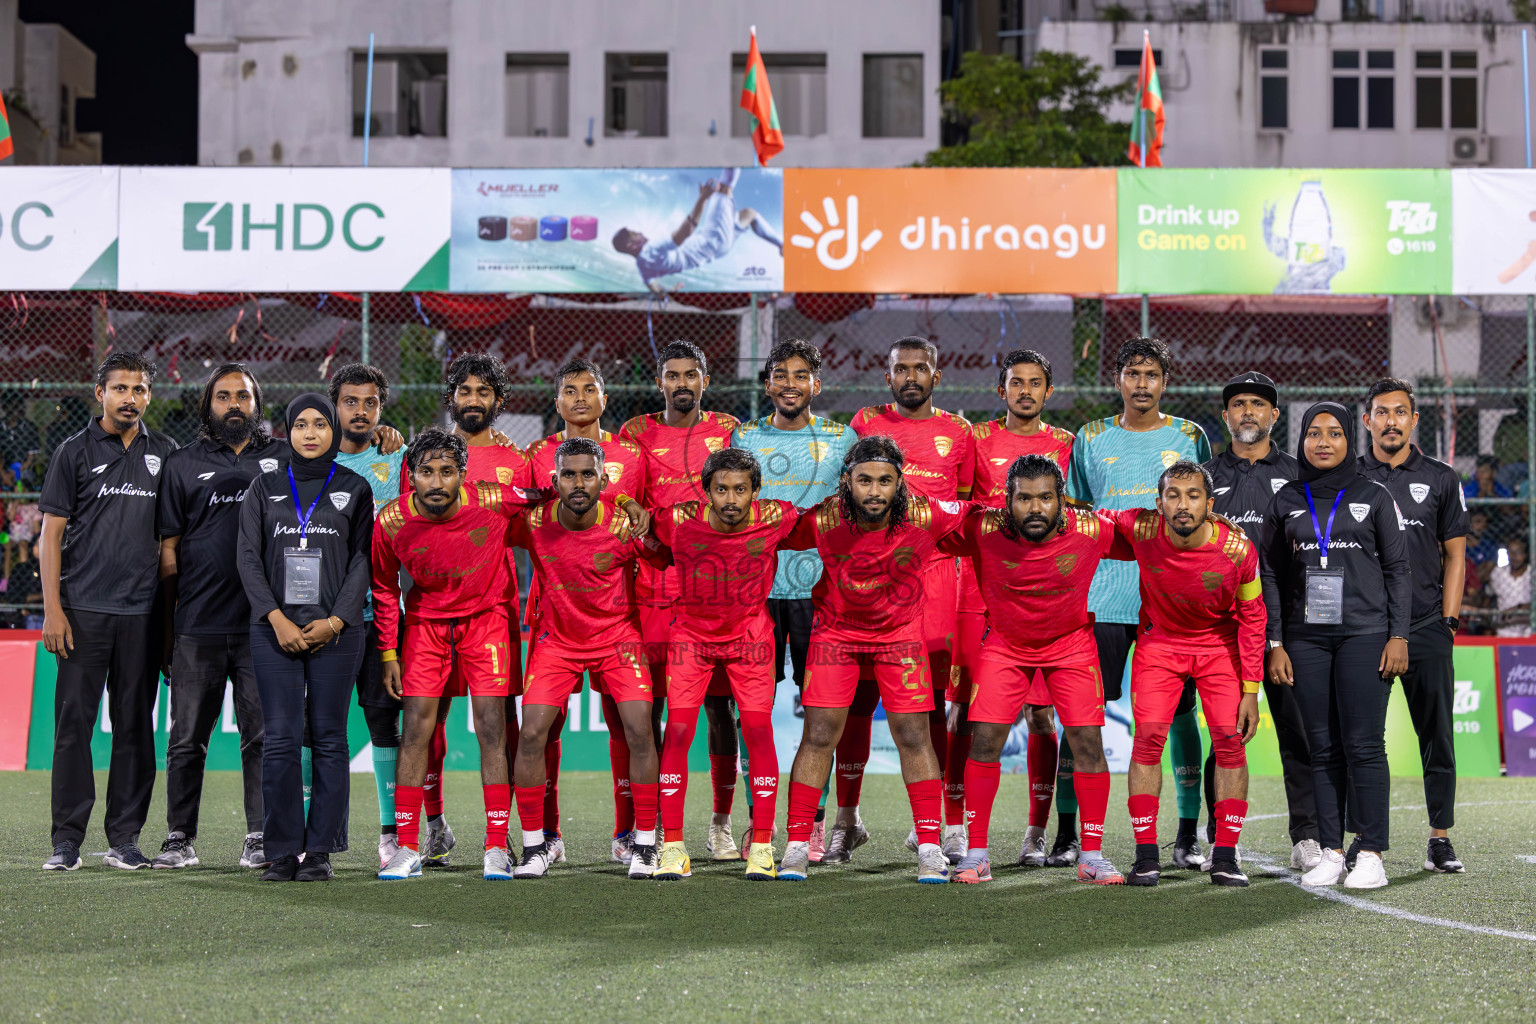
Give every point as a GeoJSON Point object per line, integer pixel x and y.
{"type": "Point", "coordinates": [304, 516]}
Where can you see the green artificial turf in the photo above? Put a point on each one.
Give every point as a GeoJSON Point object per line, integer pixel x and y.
{"type": "Point", "coordinates": [858, 942]}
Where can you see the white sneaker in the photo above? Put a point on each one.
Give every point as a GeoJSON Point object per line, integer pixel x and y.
{"type": "Point", "coordinates": [911, 843]}
{"type": "Point", "coordinates": [1369, 872]}
{"type": "Point", "coordinates": [404, 864]}
{"type": "Point", "coordinates": [623, 847]}
{"type": "Point", "coordinates": [556, 845]}
{"type": "Point", "coordinates": [1032, 855]}
{"type": "Point", "coordinates": [721, 845]}
{"type": "Point", "coordinates": [1329, 869]}
{"type": "Point", "coordinates": [796, 862]}
{"type": "Point", "coordinates": [1306, 854]}
{"type": "Point", "coordinates": [642, 863]}
{"type": "Point", "coordinates": [497, 865]}
{"type": "Point", "coordinates": [535, 862]}
{"type": "Point", "coordinates": [932, 865]}
{"type": "Point", "coordinates": [388, 844]}
{"type": "Point", "coordinates": [955, 847]}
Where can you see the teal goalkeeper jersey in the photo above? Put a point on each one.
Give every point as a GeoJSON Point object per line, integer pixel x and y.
{"type": "Point", "coordinates": [1115, 468]}
{"type": "Point", "coordinates": [801, 467]}
{"type": "Point", "coordinates": [383, 474]}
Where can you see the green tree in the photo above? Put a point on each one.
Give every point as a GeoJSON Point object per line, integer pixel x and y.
{"type": "Point", "coordinates": [1049, 114]}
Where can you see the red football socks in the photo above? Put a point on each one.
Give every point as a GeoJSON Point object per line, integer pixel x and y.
{"type": "Point", "coordinates": [432, 790]}
{"type": "Point", "coordinates": [981, 781]}
{"type": "Point", "coordinates": [1093, 804]}
{"type": "Point", "coordinates": [618, 764]}
{"type": "Point", "coordinates": [938, 735]}
{"type": "Point", "coordinates": [722, 778]}
{"type": "Point", "coordinates": [763, 763]}
{"type": "Point", "coordinates": [645, 805]}
{"type": "Point", "coordinates": [927, 798]}
{"type": "Point", "coordinates": [530, 807]}
{"type": "Point", "coordinates": [681, 723]}
{"type": "Point", "coordinates": [408, 816]}
{"type": "Point", "coordinates": [1143, 817]}
{"type": "Point", "coordinates": [852, 755]}
{"type": "Point", "coordinates": [803, 800]}
{"type": "Point", "coordinates": [1230, 815]}
{"type": "Point", "coordinates": [498, 813]}
{"type": "Point", "coordinates": [1040, 761]}
{"type": "Point", "coordinates": [552, 775]}
{"type": "Point", "coordinates": [954, 777]}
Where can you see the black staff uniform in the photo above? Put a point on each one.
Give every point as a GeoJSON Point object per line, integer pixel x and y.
{"type": "Point", "coordinates": [200, 502]}
{"type": "Point", "coordinates": [1342, 696]}
{"type": "Point", "coordinates": [1434, 508]}
{"type": "Point", "coordinates": [317, 685]}
{"type": "Point", "coordinates": [108, 578]}
{"type": "Point", "coordinates": [1243, 492]}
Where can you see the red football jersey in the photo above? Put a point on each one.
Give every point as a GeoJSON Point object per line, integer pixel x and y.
{"type": "Point", "coordinates": [994, 449]}
{"type": "Point", "coordinates": [1034, 593]}
{"type": "Point", "coordinates": [622, 461]}
{"type": "Point", "coordinates": [458, 566]}
{"type": "Point", "coordinates": [1209, 595]}
{"type": "Point", "coordinates": [498, 464]}
{"type": "Point", "coordinates": [937, 450]}
{"type": "Point", "coordinates": [722, 579]}
{"type": "Point", "coordinates": [871, 586]}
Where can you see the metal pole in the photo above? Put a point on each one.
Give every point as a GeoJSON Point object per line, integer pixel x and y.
{"type": "Point", "coordinates": [756, 392]}
{"type": "Point", "coordinates": [1530, 335]}
{"type": "Point", "coordinates": [1146, 317]}
{"type": "Point", "coordinates": [1525, 89]}
{"type": "Point", "coordinates": [367, 135]}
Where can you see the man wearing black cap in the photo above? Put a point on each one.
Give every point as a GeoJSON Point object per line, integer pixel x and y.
{"type": "Point", "coordinates": [1245, 478]}
{"type": "Point", "coordinates": [99, 566]}
{"type": "Point", "coordinates": [1434, 511]}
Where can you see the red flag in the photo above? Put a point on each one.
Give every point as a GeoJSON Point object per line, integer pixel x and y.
{"type": "Point", "coordinates": [7, 145]}
{"type": "Point", "coordinates": [757, 98]}
{"type": "Point", "coordinates": [1147, 126]}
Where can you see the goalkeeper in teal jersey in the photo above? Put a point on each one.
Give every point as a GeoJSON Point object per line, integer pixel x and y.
{"type": "Point", "coordinates": [1116, 463]}
{"type": "Point", "coordinates": [802, 458]}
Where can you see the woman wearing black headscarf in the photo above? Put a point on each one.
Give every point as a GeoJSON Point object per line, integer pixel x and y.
{"type": "Point", "coordinates": [305, 534]}
{"type": "Point", "coordinates": [1334, 561]}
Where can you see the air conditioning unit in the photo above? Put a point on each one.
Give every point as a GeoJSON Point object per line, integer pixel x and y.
{"type": "Point", "coordinates": [1469, 150]}
{"type": "Point", "coordinates": [1447, 311]}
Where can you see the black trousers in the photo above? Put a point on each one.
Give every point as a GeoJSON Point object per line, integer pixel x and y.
{"type": "Point", "coordinates": [200, 665]}
{"type": "Point", "coordinates": [1343, 702]}
{"type": "Point", "coordinates": [1114, 641]}
{"type": "Point", "coordinates": [296, 687]}
{"type": "Point", "coordinates": [791, 628]}
{"type": "Point", "coordinates": [1295, 763]}
{"type": "Point", "coordinates": [112, 652]}
{"type": "Point", "coordinates": [1428, 686]}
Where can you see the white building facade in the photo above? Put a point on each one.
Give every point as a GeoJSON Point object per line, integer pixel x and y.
{"type": "Point", "coordinates": [44, 70]}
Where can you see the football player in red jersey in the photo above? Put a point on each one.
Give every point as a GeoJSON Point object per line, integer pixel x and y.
{"type": "Point", "coordinates": [676, 442]}
{"type": "Point", "coordinates": [1202, 617]}
{"type": "Point", "coordinates": [580, 399]}
{"type": "Point", "coordinates": [938, 450]}
{"type": "Point", "coordinates": [1034, 560]}
{"type": "Point", "coordinates": [451, 539]}
{"type": "Point", "coordinates": [1024, 385]}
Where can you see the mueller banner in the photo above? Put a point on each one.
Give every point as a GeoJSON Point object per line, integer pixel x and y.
{"type": "Point", "coordinates": [658, 229]}
{"type": "Point", "coordinates": [58, 228]}
{"type": "Point", "coordinates": [1285, 232]}
{"type": "Point", "coordinates": [284, 229]}
{"type": "Point", "coordinates": [1493, 238]}
{"type": "Point", "coordinates": [930, 230]}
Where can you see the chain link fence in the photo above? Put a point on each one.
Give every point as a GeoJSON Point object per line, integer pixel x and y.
{"type": "Point", "coordinates": [1470, 359]}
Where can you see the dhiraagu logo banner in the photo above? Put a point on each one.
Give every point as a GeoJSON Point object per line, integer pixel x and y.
{"type": "Point", "coordinates": [285, 229]}
{"type": "Point", "coordinates": [1285, 232]}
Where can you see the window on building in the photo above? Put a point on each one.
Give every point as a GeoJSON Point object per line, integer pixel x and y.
{"type": "Point", "coordinates": [893, 95]}
{"type": "Point", "coordinates": [1274, 89]}
{"type": "Point", "coordinates": [1379, 86]}
{"type": "Point", "coordinates": [1369, 83]}
{"type": "Point", "coordinates": [410, 93]}
{"type": "Point", "coordinates": [1445, 83]}
{"type": "Point", "coordinates": [799, 82]}
{"type": "Point", "coordinates": [1131, 59]}
{"type": "Point", "coordinates": [636, 104]}
{"type": "Point", "coordinates": [538, 90]}
{"type": "Point", "coordinates": [1346, 88]}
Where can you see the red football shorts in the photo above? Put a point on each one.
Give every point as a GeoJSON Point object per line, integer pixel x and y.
{"type": "Point", "coordinates": [970, 628]}
{"type": "Point", "coordinates": [746, 667]}
{"type": "Point", "coordinates": [555, 670]}
{"type": "Point", "coordinates": [899, 668]}
{"type": "Point", "coordinates": [1064, 673]}
{"type": "Point", "coordinates": [1159, 668]}
{"type": "Point", "coordinates": [941, 596]}
{"type": "Point", "coordinates": [456, 687]}
{"type": "Point", "coordinates": [452, 657]}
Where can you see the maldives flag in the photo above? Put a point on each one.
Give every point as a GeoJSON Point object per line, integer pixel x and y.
{"type": "Point", "coordinates": [757, 98]}
{"type": "Point", "coordinates": [6, 145]}
{"type": "Point", "coordinates": [1147, 126]}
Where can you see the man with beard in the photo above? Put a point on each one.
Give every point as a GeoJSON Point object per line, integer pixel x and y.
{"type": "Point", "coordinates": [1433, 508]}
{"type": "Point", "coordinates": [676, 442]}
{"type": "Point", "coordinates": [1034, 560]}
{"type": "Point", "coordinates": [876, 543]}
{"type": "Point", "coordinates": [99, 556]}
{"type": "Point", "coordinates": [1116, 464]}
{"type": "Point", "coordinates": [1245, 479]}
{"type": "Point", "coordinates": [938, 448]}
{"type": "Point", "coordinates": [1203, 618]}
{"type": "Point", "coordinates": [199, 511]}
{"type": "Point", "coordinates": [1024, 385]}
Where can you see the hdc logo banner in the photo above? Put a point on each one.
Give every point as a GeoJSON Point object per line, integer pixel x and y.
{"type": "Point", "coordinates": [285, 229]}
{"type": "Point", "coordinates": [962, 231]}
{"type": "Point", "coordinates": [58, 228]}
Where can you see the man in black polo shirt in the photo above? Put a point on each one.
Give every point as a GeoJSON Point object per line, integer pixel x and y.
{"type": "Point", "coordinates": [99, 558]}
{"type": "Point", "coordinates": [1245, 478]}
{"type": "Point", "coordinates": [1434, 512]}
{"type": "Point", "coordinates": [203, 485]}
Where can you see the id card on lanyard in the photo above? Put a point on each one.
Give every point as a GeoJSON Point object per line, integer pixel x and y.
{"type": "Point", "coordinates": [301, 566]}
{"type": "Point", "coordinates": [1325, 586]}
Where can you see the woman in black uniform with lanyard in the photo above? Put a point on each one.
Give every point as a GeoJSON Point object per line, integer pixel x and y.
{"type": "Point", "coordinates": [305, 535]}
{"type": "Point", "coordinates": [1334, 561]}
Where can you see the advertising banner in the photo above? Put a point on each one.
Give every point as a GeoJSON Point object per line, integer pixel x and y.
{"type": "Point", "coordinates": [1493, 232]}
{"type": "Point", "coordinates": [58, 228]}
{"type": "Point", "coordinates": [284, 229]}
{"type": "Point", "coordinates": [614, 230]}
{"type": "Point", "coordinates": [1285, 232]}
{"type": "Point", "coordinates": [931, 230]}
{"type": "Point", "coordinates": [1517, 678]}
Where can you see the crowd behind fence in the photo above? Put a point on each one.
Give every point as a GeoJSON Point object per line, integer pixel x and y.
{"type": "Point", "coordinates": [1470, 360]}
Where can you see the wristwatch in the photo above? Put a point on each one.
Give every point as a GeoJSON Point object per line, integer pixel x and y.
{"type": "Point", "coordinates": [1453, 622]}
{"type": "Point", "coordinates": [1275, 643]}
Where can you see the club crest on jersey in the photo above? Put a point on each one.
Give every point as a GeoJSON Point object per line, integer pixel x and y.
{"type": "Point", "coordinates": [1066, 562]}
{"type": "Point", "coordinates": [903, 555]}
{"type": "Point", "coordinates": [1168, 457]}
{"type": "Point", "coordinates": [267, 465]}
{"type": "Point", "coordinates": [602, 561]}
{"type": "Point", "coordinates": [714, 444]}
{"type": "Point", "coordinates": [341, 499]}
{"type": "Point", "coordinates": [755, 546]}
{"type": "Point", "coordinates": [819, 449]}
{"type": "Point", "coordinates": [503, 475]}
{"type": "Point", "coordinates": [380, 471]}
{"type": "Point", "coordinates": [1359, 510]}
{"type": "Point", "coordinates": [944, 444]}
{"type": "Point", "coordinates": [614, 471]}
{"type": "Point", "coordinates": [478, 536]}
{"type": "Point", "coordinates": [1212, 581]}
{"type": "Point", "coordinates": [1419, 492]}
{"type": "Point", "coordinates": [1276, 482]}
{"type": "Point", "coordinates": [152, 463]}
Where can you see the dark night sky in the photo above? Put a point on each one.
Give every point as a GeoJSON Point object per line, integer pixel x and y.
{"type": "Point", "coordinates": [146, 78]}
